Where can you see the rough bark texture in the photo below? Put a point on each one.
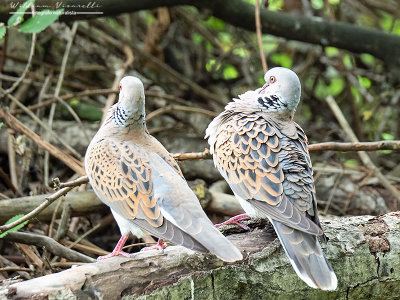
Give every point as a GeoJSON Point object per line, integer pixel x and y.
{"type": "Point", "coordinates": [364, 251]}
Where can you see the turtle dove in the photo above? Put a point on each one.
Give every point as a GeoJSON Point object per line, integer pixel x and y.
{"type": "Point", "coordinates": [139, 180]}
{"type": "Point", "coordinates": [262, 153]}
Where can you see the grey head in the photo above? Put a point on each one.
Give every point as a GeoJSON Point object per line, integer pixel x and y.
{"type": "Point", "coordinates": [130, 108]}
{"type": "Point", "coordinates": [281, 92]}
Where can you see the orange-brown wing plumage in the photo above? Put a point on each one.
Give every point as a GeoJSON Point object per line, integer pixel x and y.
{"type": "Point", "coordinates": [246, 151]}
{"type": "Point", "coordinates": [122, 178]}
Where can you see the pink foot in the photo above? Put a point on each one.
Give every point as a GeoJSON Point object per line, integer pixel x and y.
{"type": "Point", "coordinates": [159, 246]}
{"type": "Point", "coordinates": [236, 220]}
{"type": "Point", "coordinates": [118, 249]}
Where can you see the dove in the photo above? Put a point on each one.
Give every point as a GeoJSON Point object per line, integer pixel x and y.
{"type": "Point", "coordinates": [132, 173]}
{"type": "Point", "coordinates": [262, 154]}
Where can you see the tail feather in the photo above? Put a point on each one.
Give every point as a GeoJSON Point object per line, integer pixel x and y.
{"type": "Point", "coordinates": [306, 256]}
{"type": "Point", "coordinates": [170, 232]}
{"type": "Point", "coordinates": [212, 239]}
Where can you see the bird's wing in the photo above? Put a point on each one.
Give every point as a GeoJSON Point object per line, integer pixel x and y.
{"type": "Point", "coordinates": [122, 176]}
{"type": "Point", "coordinates": [180, 206]}
{"type": "Point", "coordinates": [247, 153]}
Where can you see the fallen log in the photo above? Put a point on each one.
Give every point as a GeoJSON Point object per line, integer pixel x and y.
{"type": "Point", "coordinates": [81, 203]}
{"type": "Point", "coordinates": [364, 251]}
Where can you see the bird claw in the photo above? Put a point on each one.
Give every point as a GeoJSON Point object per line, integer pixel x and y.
{"type": "Point", "coordinates": [159, 246]}
{"type": "Point", "coordinates": [114, 253]}
{"type": "Point", "coordinates": [236, 220]}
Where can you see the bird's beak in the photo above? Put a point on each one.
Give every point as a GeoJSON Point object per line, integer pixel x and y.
{"type": "Point", "coordinates": [263, 88]}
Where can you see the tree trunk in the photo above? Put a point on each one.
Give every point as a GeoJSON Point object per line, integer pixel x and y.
{"type": "Point", "coordinates": [364, 251]}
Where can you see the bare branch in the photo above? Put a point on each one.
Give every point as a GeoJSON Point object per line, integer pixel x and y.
{"type": "Point", "coordinates": [17, 125]}
{"type": "Point", "coordinates": [363, 156]}
{"type": "Point", "coordinates": [50, 244]}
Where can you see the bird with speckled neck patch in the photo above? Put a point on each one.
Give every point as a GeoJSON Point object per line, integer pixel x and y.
{"type": "Point", "coordinates": [132, 173]}
{"type": "Point", "coordinates": [262, 154]}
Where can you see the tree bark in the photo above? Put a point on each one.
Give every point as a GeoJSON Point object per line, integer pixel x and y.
{"type": "Point", "coordinates": [241, 14]}
{"type": "Point", "coordinates": [364, 251]}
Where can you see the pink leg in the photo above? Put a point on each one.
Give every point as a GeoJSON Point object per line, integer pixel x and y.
{"type": "Point", "coordinates": [236, 220]}
{"type": "Point", "coordinates": [118, 249]}
{"type": "Point", "coordinates": [159, 246]}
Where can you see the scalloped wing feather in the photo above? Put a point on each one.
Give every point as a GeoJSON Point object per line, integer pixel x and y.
{"type": "Point", "coordinates": [247, 152]}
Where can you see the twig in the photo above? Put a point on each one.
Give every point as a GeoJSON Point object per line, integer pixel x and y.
{"type": "Point", "coordinates": [67, 264]}
{"type": "Point", "coordinates": [30, 255]}
{"type": "Point", "coordinates": [4, 52]}
{"type": "Point", "coordinates": [118, 76]}
{"type": "Point", "coordinates": [259, 35]}
{"type": "Point", "coordinates": [28, 64]}
{"type": "Point", "coordinates": [72, 183]}
{"type": "Point", "coordinates": [363, 156]}
{"type": "Point", "coordinates": [81, 247]}
{"type": "Point", "coordinates": [37, 210]}
{"type": "Point", "coordinates": [49, 244]}
{"type": "Point", "coordinates": [84, 235]}
{"type": "Point", "coordinates": [356, 146]}
{"type": "Point", "coordinates": [192, 156]}
{"type": "Point", "coordinates": [9, 263]}
{"type": "Point", "coordinates": [75, 116]}
{"type": "Point", "coordinates": [15, 269]}
{"type": "Point", "coordinates": [56, 95]}
{"type": "Point", "coordinates": [100, 36]}
{"type": "Point", "coordinates": [17, 125]}
{"type": "Point", "coordinates": [172, 108]}
{"type": "Point", "coordinates": [47, 128]}
{"type": "Point", "coordinates": [64, 97]}
{"type": "Point", "coordinates": [48, 102]}
{"type": "Point", "coordinates": [7, 181]}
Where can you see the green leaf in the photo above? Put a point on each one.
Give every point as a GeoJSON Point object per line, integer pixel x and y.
{"type": "Point", "coordinates": [331, 51]}
{"type": "Point", "coordinates": [197, 38]}
{"type": "Point", "coordinates": [351, 162]}
{"type": "Point", "coordinates": [347, 61]}
{"type": "Point", "coordinates": [16, 228]}
{"type": "Point", "coordinates": [18, 15]}
{"type": "Point", "coordinates": [356, 93]}
{"type": "Point", "coordinates": [215, 23]}
{"type": "Point", "coordinates": [368, 59]}
{"type": "Point", "coordinates": [230, 72]}
{"type": "Point", "coordinates": [1, 124]}
{"type": "Point", "coordinates": [364, 82]}
{"type": "Point", "coordinates": [317, 4]}
{"type": "Point", "coordinates": [3, 30]}
{"type": "Point", "coordinates": [212, 65]}
{"type": "Point", "coordinates": [41, 21]}
{"type": "Point", "coordinates": [387, 136]}
{"type": "Point", "coordinates": [242, 52]}
{"type": "Point", "coordinates": [282, 59]}
{"type": "Point", "coordinates": [334, 88]}
{"type": "Point", "coordinates": [275, 5]}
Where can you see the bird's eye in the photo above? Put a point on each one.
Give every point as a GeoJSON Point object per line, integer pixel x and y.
{"type": "Point", "coordinates": [120, 87]}
{"type": "Point", "coordinates": [272, 79]}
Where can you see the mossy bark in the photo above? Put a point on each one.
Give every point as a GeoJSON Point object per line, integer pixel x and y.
{"type": "Point", "coordinates": [364, 251]}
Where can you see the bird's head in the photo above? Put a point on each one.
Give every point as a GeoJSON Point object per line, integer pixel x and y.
{"type": "Point", "coordinates": [131, 93]}
{"type": "Point", "coordinates": [130, 106]}
{"type": "Point", "coordinates": [281, 91]}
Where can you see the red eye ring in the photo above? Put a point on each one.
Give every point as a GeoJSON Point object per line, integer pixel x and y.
{"type": "Point", "coordinates": [272, 79]}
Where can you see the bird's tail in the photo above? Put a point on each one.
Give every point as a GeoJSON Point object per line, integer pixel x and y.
{"type": "Point", "coordinates": [212, 239]}
{"type": "Point", "coordinates": [306, 256]}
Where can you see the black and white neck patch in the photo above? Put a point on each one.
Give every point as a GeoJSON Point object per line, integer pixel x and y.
{"type": "Point", "coordinates": [272, 103]}
{"type": "Point", "coordinates": [120, 116]}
